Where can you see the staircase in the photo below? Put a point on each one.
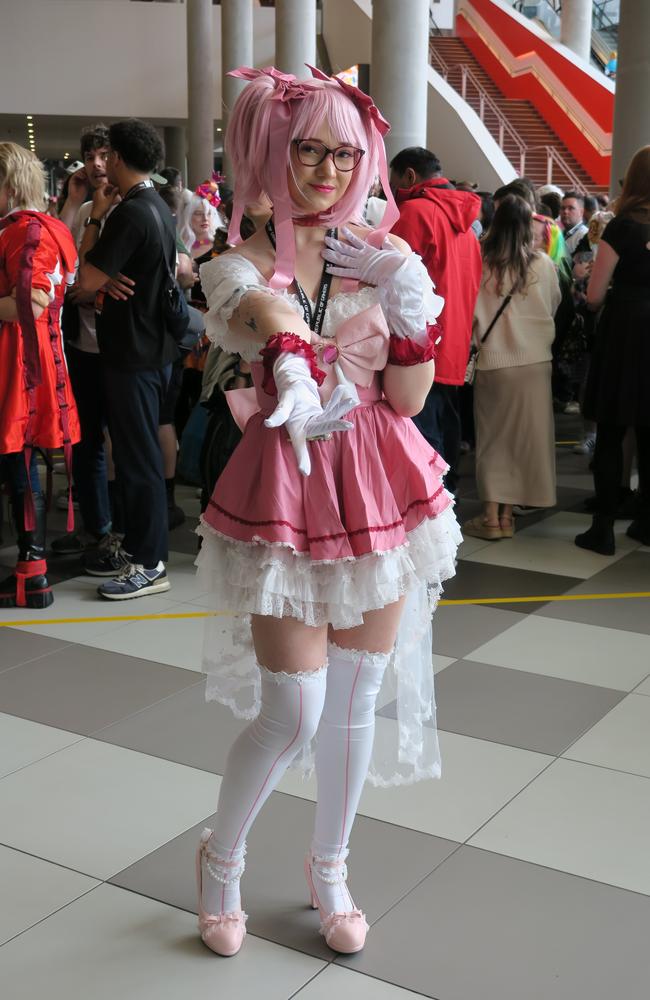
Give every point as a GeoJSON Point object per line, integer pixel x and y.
{"type": "Point", "coordinates": [530, 144]}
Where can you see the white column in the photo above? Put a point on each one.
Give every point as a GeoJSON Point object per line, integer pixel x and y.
{"type": "Point", "coordinates": [295, 36]}
{"type": "Point", "coordinates": [236, 51]}
{"type": "Point", "coordinates": [398, 70]}
{"type": "Point", "coordinates": [575, 27]}
{"type": "Point", "coordinates": [175, 143]}
{"type": "Point", "coordinates": [631, 105]}
{"type": "Point", "coordinates": [200, 90]}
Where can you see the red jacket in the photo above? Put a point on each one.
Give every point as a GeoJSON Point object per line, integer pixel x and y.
{"type": "Point", "coordinates": [435, 220]}
{"type": "Point", "coordinates": [36, 402]}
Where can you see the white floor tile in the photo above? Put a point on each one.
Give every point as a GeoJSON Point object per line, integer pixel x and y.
{"type": "Point", "coordinates": [344, 984]}
{"type": "Point", "coordinates": [113, 943]}
{"type": "Point", "coordinates": [478, 778]}
{"type": "Point", "coordinates": [32, 889]}
{"type": "Point", "coordinates": [589, 654]}
{"type": "Point", "coordinates": [621, 740]}
{"type": "Point", "coordinates": [643, 688]}
{"type": "Point", "coordinates": [441, 662]}
{"type": "Point", "coordinates": [106, 807]}
{"type": "Point", "coordinates": [471, 545]}
{"type": "Point", "coordinates": [176, 641]}
{"type": "Point", "coordinates": [22, 742]}
{"type": "Point", "coordinates": [77, 598]}
{"type": "Point", "coordinates": [579, 819]}
{"type": "Point", "coordinates": [548, 547]}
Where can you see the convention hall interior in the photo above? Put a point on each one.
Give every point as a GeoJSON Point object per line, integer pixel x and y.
{"type": "Point", "coordinates": [523, 871]}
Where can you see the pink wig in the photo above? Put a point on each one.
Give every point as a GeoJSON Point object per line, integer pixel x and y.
{"type": "Point", "coordinates": [273, 110]}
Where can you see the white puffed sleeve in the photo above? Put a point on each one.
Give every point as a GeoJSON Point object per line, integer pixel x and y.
{"type": "Point", "coordinates": [225, 279]}
{"type": "Point", "coordinates": [409, 300]}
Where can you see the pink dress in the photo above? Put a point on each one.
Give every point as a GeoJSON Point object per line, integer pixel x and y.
{"type": "Point", "coordinates": [372, 523]}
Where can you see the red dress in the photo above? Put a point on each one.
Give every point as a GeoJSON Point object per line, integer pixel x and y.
{"type": "Point", "coordinates": [37, 407]}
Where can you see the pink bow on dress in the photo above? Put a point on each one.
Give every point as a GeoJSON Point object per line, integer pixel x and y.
{"type": "Point", "coordinates": [360, 348]}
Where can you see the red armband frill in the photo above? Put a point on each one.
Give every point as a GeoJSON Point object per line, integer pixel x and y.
{"type": "Point", "coordinates": [281, 343]}
{"type": "Point", "coordinates": [405, 352]}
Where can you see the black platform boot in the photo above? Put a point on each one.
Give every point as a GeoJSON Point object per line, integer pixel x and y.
{"type": "Point", "coordinates": [27, 587]}
{"type": "Point", "coordinates": [600, 537]}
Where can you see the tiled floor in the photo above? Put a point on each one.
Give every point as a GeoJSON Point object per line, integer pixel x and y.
{"type": "Point", "coordinates": [523, 874]}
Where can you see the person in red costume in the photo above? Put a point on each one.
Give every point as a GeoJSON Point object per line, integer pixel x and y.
{"type": "Point", "coordinates": [37, 409]}
{"type": "Point", "coordinates": [439, 224]}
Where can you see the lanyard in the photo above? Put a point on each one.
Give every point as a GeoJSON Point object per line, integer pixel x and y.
{"type": "Point", "coordinates": [314, 320]}
{"type": "Point", "coordinates": [140, 186]}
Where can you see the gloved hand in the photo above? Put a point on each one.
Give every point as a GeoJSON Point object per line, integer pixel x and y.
{"type": "Point", "coordinates": [406, 292]}
{"type": "Point", "coordinates": [358, 260]}
{"type": "Point", "coordinates": [300, 408]}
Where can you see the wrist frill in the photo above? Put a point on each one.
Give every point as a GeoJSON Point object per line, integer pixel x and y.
{"type": "Point", "coordinates": [291, 343]}
{"type": "Point", "coordinates": [405, 352]}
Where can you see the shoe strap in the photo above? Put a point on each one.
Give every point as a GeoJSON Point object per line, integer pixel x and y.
{"type": "Point", "coordinates": [222, 870]}
{"type": "Point", "coordinates": [330, 872]}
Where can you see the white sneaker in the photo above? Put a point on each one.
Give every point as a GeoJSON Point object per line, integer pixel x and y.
{"type": "Point", "coordinates": [586, 446]}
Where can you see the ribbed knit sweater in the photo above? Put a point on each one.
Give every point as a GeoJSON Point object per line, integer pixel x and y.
{"type": "Point", "coordinates": [524, 332]}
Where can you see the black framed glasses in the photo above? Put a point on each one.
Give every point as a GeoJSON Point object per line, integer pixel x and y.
{"type": "Point", "coordinates": [312, 152]}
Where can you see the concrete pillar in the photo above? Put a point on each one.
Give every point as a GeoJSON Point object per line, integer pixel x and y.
{"type": "Point", "coordinates": [631, 104]}
{"type": "Point", "coordinates": [175, 143]}
{"type": "Point", "coordinates": [200, 90]}
{"type": "Point", "coordinates": [236, 50]}
{"type": "Point", "coordinates": [295, 36]}
{"type": "Point", "coordinates": [575, 26]}
{"type": "Point", "coordinates": [398, 70]}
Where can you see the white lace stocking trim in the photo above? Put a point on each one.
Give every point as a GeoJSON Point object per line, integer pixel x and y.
{"type": "Point", "coordinates": [346, 653]}
{"type": "Point", "coordinates": [297, 677]}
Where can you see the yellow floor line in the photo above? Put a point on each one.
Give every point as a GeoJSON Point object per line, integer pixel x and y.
{"type": "Point", "coordinates": [545, 598]}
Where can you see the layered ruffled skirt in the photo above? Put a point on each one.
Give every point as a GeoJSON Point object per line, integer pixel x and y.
{"type": "Point", "coordinates": [371, 524]}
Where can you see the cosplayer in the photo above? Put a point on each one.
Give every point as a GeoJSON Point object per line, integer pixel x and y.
{"type": "Point", "coordinates": [330, 524]}
{"type": "Point", "coordinates": [37, 259]}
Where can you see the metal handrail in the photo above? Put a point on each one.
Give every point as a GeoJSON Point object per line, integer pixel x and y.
{"type": "Point", "coordinates": [553, 155]}
{"type": "Point", "coordinates": [433, 26]}
{"type": "Point", "coordinates": [485, 102]}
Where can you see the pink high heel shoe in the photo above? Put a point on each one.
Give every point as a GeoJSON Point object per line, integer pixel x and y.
{"type": "Point", "coordinates": [223, 933]}
{"type": "Point", "coordinates": [343, 932]}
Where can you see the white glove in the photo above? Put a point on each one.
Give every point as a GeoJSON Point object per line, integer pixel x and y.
{"type": "Point", "coordinates": [299, 406]}
{"type": "Point", "coordinates": [358, 260]}
{"type": "Point", "coordinates": [405, 288]}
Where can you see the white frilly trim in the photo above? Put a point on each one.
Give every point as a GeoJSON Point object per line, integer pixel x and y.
{"type": "Point", "coordinates": [298, 677]}
{"type": "Point", "coordinates": [267, 579]}
{"type": "Point", "coordinates": [351, 655]}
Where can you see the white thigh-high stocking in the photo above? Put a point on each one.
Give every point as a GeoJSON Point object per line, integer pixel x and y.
{"type": "Point", "coordinates": [291, 708]}
{"type": "Point", "coordinates": [343, 748]}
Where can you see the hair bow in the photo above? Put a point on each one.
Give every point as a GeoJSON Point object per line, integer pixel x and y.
{"type": "Point", "coordinates": [363, 101]}
{"type": "Point", "coordinates": [287, 86]}
{"type": "Point", "coordinates": [210, 190]}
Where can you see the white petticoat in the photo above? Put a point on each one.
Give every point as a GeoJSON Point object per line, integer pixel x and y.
{"type": "Point", "coordinates": [274, 580]}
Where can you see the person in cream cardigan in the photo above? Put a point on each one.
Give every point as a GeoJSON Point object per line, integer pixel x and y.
{"type": "Point", "coordinates": [513, 406]}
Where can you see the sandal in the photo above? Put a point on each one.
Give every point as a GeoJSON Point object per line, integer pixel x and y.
{"type": "Point", "coordinates": [477, 528]}
{"type": "Point", "coordinates": [507, 526]}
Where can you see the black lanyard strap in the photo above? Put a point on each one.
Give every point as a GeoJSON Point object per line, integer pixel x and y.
{"type": "Point", "coordinates": [313, 318]}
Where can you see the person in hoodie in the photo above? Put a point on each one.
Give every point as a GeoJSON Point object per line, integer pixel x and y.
{"type": "Point", "coordinates": [437, 222]}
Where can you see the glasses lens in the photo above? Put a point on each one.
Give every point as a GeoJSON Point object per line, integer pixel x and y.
{"type": "Point", "coordinates": [311, 152]}
{"type": "Point", "coordinates": [347, 157]}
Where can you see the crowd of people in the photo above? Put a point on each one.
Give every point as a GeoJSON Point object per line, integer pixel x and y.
{"type": "Point", "coordinates": [513, 267]}
{"type": "Point", "coordinates": [331, 332]}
